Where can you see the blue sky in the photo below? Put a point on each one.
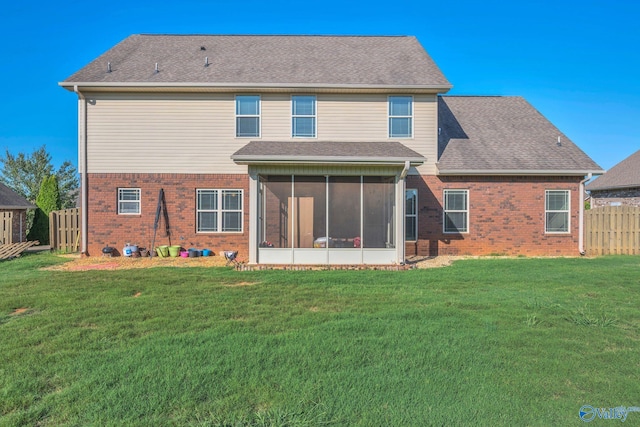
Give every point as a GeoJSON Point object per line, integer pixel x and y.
{"type": "Point", "coordinates": [577, 62]}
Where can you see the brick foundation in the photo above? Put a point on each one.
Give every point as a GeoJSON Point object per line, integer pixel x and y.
{"type": "Point", "coordinates": [107, 228]}
{"type": "Point", "coordinates": [506, 216]}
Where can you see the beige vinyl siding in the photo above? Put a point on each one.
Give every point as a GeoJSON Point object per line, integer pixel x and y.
{"type": "Point", "coordinates": [195, 133]}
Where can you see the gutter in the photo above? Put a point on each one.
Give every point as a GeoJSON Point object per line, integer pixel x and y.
{"type": "Point", "coordinates": [82, 144]}
{"type": "Point", "coordinates": [581, 215]}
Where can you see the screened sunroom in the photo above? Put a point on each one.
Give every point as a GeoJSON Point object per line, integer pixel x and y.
{"type": "Point", "coordinates": [338, 203]}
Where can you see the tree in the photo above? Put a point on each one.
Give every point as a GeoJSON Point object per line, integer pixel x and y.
{"type": "Point", "coordinates": [48, 200]}
{"type": "Point", "coordinates": [25, 174]}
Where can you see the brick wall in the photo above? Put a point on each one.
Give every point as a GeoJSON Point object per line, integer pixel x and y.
{"type": "Point", "coordinates": [107, 228]}
{"type": "Point", "coordinates": [506, 216]}
{"type": "Point", "coordinates": [620, 197]}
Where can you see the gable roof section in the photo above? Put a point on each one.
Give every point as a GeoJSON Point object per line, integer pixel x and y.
{"type": "Point", "coordinates": [625, 174]}
{"type": "Point", "coordinates": [488, 135]}
{"type": "Point", "coordinates": [264, 61]}
{"type": "Point", "coordinates": [9, 199]}
{"type": "Point", "coordinates": [327, 152]}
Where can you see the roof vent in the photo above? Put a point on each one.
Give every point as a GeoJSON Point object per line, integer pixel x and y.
{"type": "Point", "coordinates": [203, 48]}
{"type": "Point", "coordinates": [157, 70]}
{"type": "Point", "coordinates": [559, 143]}
{"type": "Point", "coordinates": [206, 61]}
{"type": "Point", "coordinates": [108, 67]}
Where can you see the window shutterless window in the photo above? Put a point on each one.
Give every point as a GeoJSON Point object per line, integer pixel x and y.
{"type": "Point", "coordinates": [557, 211]}
{"type": "Point", "coordinates": [456, 211]}
{"type": "Point", "coordinates": [219, 211]}
{"type": "Point", "coordinates": [400, 117]}
{"type": "Point", "coordinates": [128, 201]}
{"type": "Point", "coordinates": [303, 116]}
{"type": "Point", "coordinates": [247, 116]}
{"type": "Point", "coordinates": [411, 215]}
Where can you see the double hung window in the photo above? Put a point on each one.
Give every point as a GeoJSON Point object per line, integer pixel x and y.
{"type": "Point", "coordinates": [128, 201]}
{"type": "Point", "coordinates": [400, 117]}
{"type": "Point", "coordinates": [218, 211]}
{"type": "Point", "coordinates": [456, 211]}
{"type": "Point", "coordinates": [557, 211]}
{"type": "Point", "coordinates": [303, 116]}
{"type": "Point", "coordinates": [247, 116]}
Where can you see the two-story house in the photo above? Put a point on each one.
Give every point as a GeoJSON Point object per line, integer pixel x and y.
{"type": "Point", "coordinates": [316, 150]}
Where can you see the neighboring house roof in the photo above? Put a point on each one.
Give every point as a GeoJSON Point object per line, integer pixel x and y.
{"type": "Point", "coordinates": [318, 152]}
{"type": "Point", "coordinates": [264, 61]}
{"type": "Point", "coordinates": [503, 135]}
{"type": "Point", "coordinates": [9, 199]}
{"type": "Point", "coordinates": [625, 174]}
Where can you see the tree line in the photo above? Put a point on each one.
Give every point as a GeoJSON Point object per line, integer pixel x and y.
{"type": "Point", "coordinates": [34, 177]}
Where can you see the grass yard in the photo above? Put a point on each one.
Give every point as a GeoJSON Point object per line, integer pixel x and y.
{"type": "Point", "coordinates": [482, 342]}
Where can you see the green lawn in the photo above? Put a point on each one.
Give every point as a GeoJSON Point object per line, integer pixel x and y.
{"type": "Point", "coordinates": [483, 342]}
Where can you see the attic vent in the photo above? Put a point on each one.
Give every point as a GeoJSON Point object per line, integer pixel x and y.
{"type": "Point", "coordinates": [206, 61]}
{"type": "Point", "coordinates": [203, 48]}
{"type": "Point", "coordinates": [108, 67]}
{"type": "Point", "coordinates": [559, 143]}
{"type": "Point", "coordinates": [157, 70]}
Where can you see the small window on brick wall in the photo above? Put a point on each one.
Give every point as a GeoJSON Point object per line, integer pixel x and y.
{"type": "Point", "coordinates": [557, 211]}
{"type": "Point", "coordinates": [456, 211]}
{"type": "Point", "coordinates": [128, 201]}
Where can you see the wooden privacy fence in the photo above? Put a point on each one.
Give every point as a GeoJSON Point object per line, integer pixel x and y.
{"type": "Point", "coordinates": [6, 228]}
{"type": "Point", "coordinates": [612, 230]}
{"type": "Point", "coordinates": [64, 230]}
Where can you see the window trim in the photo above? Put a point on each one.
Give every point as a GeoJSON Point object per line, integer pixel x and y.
{"type": "Point", "coordinates": [314, 116]}
{"type": "Point", "coordinates": [445, 210]}
{"type": "Point", "coordinates": [220, 211]}
{"type": "Point", "coordinates": [567, 211]}
{"type": "Point", "coordinates": [120, 201]}
{"type": "Point", "coordinates": [411, 117]}
{"type": "Point", "coordinates": [259, 115]}
{"type": "Point", "coordinates": [413, 215]}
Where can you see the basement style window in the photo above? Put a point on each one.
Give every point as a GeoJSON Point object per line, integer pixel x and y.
{"type": "Point", "coordinates": [400, 117]}
{"type": "Point", "coordinates": [557, 211]}
{"type": "Point", "coordinates": [128, 201]}
{"type": "Point", "coordinates": [247, 116]}
{"type": "Point", "coordinates": [303, 116]}
{"type": "Point", "coordinates": [219, 211]}
{"type": "Point", "coordinates": [456, 211]}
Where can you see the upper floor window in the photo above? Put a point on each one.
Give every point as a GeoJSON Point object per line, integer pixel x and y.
{"type": "Point", "coordinates": [400, 117]}
{"type": "Point", "coordinates": [456, 211]}
{"type": "Point", "coordinates": [247, 116]}
{"type": "Point", "coordinates": [128, 201]}
{"type": "Point", "coordinates": [557, 211]}
{"type": "Point", "coordinates": [303, 114]}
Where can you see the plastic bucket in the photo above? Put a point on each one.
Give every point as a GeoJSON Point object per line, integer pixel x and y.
{"type": "Point", "coordinates": [206, 252]}
{"type": "Point", "coordinates": [162, 251]}
{"type": "Point", "coordinates": [174, 251]}
{"type": "Point", "coordinates": [193, 253]}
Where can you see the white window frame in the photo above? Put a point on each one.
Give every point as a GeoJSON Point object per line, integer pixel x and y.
{"type": "Point", "coordinates": [220, 192]}
{"type": "Point", "coordinates": [390, 116]}
{"type": "Point", "coordinates": [565, 211]}
{"type": "Point", "coordinates": [258, 116]}
{"type": "Point", "coordinates": [121, 201]}
{"type": "Point", "coordinates": [412, 215]}
{"type": "Point", "coordinates": [445, 210]}
{"type": "Point", "coordinates": [313, 116]}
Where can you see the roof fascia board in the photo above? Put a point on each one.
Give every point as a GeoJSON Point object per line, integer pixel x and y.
{"type": "Point", "coordinates": [182, 86]}
{"type": "Point", "coordinates": [616, 187]}
{"type": "Point", "coordinates": [279, 160]}
{"type": "Point", "coordinates": [516, 172]}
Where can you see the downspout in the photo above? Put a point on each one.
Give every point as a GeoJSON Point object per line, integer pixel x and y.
{"type": "Point", "coordinates": [82, 145]}
{"type": "Point", "coordinates": [581, 215]}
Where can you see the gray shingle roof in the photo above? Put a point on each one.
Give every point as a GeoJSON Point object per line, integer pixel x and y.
{"type": "Point", "coordinates": [9, 199]}
{"type": "Point", "coordinates": [265, 60]}
{"type": "Point", "coordinates": [486, 134]}
{"type": "Point", "coordinates": [326, 151]}
{"type": "Point", "coordinates": [625, 174]}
